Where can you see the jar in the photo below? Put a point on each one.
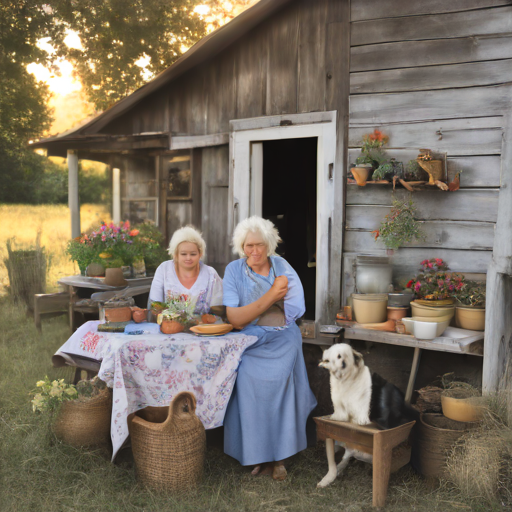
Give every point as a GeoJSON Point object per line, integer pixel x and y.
{"type": "Point", "coordinates": [373, 274]}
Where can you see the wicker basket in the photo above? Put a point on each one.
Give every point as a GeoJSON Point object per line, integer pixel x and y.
{"type": "Point", "coordinates": [169, 444]}
{"type": "Point", "coordinates": [85, 423]}
{"type": "Point", "coordinates": [434, 437]}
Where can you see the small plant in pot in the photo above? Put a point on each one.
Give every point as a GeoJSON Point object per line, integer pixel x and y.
{"type": "Point", "coordinates": [178, 312]}
{"type": "Point", "coordinates": [372, 156]}
{"type": "Point", "coordinates": [388, 170]}
{"type": "Point", "coordinates": [470, 306]}
{"type": "Point", "coordinates": [399, 227]}
{"type": "Point", "coordinates": [435, 283]}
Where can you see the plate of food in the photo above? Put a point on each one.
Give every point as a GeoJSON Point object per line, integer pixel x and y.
{"type": "Point", "coordinates": [211, 329]}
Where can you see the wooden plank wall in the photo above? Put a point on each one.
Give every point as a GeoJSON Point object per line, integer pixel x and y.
{"type": "Point", "coordinates": [430, 74]}
{"type": "Point", "coordinates": [279, 67]}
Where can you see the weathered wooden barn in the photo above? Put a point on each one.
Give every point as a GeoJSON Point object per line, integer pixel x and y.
{"type": "Point", "coordinates": [263, 116]}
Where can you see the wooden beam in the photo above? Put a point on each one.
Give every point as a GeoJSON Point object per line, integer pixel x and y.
{"type": "Point", "coordinates": [437, 26]}
{"type": "Point", "coordinates": [410, 54]}
{"type": "Point", "coordinates": [198, 141]}
{"type": "Point", "coordinates": [497, 371]}
{"type": "Point", "coordinates": [73, 199]}
{"type": "Point", "coordinates": [373, 9]}
{"type": "Point", "coordinates": [427, 78]}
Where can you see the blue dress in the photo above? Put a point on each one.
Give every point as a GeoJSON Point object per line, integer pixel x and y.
{"type": "Point", "coordinates": [266, 417]}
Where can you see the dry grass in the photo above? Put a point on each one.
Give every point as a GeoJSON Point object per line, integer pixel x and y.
{"type": "Point", "coordinates": [480, 464]}
{"type": "Point", "coordinates": [53, 221]}
{"type": "Point", "coordinates": [39, 473]}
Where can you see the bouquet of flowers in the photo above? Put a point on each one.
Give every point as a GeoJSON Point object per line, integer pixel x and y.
{"type": "Point", "coordinates": [434, 282]}
{"type": "Point", "coordinates": [50, 394]}
{"type": "Point", "coordinates": [110, 245]}
{"type": "Point", "coordinates": [179, 308]}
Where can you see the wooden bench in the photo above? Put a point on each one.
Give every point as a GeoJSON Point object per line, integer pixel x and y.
{"type": "Point", "coordinates": [387, 447]}
{"type": "Point", "coordinates": [50, 303]}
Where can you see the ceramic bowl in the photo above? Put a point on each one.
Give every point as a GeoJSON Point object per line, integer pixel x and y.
{"type": "Point", "coordinates": [419, 310]}
{"type": "Point", "coordinates": [462, 409]}
{"type": "Point", "coordinates": [399, 300]}
{"type": "Point", "coordinates": [370, 309]}
{"type": "Point", "coordinates": [424, 330]}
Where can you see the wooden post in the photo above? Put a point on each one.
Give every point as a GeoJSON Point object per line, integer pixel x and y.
{"type": "Point", "coordinates": [116, 195]}
{"type": "Point", "coordinates": [498, 321]}
{"type": "Point", "coordinates": [73, 200]}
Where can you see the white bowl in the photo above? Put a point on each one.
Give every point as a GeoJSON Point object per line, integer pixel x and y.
{"type": "Point", "coordinates": [425, 330]}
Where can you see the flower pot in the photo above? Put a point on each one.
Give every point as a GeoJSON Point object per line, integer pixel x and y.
{"type": "Point", "coordinates": [171, 327]}
{"type": "Point", "coordinates": [370, 309]}
{"type": "Point", "coordinates": [435, 312]}
{"type": "Point", "coordinates": [360, 175]}
{"type": "Point", "coordinates": [461, 405]}
{"type": "Point", "coordinates": [470, 318]}
{"type": "Point", "coordinates": [397, 313]}
{"type": "Point", "coordinates": [95, 269]}
{"type": "Point", "coordinates": [139, 315]}
{"type": "Point", "coordinates": [123, 314]}
{"type": "Point", "coordinates": [373, 275]}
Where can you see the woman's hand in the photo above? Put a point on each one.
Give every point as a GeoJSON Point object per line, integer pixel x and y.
{"type": "Point", "coordinates": [280, 287]}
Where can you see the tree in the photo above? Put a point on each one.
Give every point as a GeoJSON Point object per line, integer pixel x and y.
{"type": "Point", "coordinates": [23, 101]}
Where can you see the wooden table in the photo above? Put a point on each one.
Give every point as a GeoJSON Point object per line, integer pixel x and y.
{"type": "Point", "coordinates": [72, 283]}
{"type": "Point", "coordinates": [454, 340]}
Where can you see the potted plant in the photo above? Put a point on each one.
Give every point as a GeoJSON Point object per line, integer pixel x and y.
{"type": "Point", "coordinates": [399, 227]}
{"type": "Point", "coordinates": [470, 306]}
{"type": "Point", "coordinates": [79, 415]}
{"type": "Point", "coordinates": [435, 283]}
{"type": "Point", "coordinates": [386, 171]}
{"type": "Point", "coordinates": [372, 156]}
{"type": "Point", "coordinates": [178, 312]}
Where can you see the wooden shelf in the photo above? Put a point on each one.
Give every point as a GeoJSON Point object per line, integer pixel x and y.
{"type": "Point", "coordinates": [455, 340]}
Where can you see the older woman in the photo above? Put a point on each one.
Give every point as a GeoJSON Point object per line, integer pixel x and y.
{"type": "Point", "coordinates": [266, 418]}
{"type": "Point", "coordinates": [186, 274]}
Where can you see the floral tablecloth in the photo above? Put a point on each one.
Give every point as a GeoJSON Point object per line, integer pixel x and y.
{"type": "Point", "coordinates": [151, 369]}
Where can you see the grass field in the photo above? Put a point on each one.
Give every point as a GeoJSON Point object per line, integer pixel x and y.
{"type": "Point", "coordinates": [38, 473]}
{"type": "Point", "coordinates": [23, 222]}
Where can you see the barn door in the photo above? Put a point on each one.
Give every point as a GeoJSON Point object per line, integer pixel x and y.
{"type": "Point", "coordinates": [246, 175]}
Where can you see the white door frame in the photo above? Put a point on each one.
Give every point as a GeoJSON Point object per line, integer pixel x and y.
{"type": "Point", "coordinates": [245, 165]}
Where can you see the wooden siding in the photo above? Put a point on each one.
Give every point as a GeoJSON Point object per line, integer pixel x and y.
{"type": "Point", "coordinates": [430, 74]}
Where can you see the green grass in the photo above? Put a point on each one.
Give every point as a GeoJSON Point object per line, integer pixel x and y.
{"type": "Point", "coordinates": [38, 473]}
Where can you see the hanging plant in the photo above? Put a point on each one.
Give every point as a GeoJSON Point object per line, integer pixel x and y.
{"type": "Point", "coordinates": [399, 227]}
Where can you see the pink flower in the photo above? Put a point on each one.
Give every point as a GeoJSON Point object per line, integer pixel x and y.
{"type": "Point", "coordinates": [103, 238]}
{"type": "Point", "coordinates": [451, 287]}
{"type": "Point", "coordinates": [417, 286]}
{"type": "Point", "coordinates": [103, 227]}
{"type": "Point", "coordinates": [430, 265]}
{"type": "Point", "coordinates": [440, 283]}
{"type": "Point", "coordinates": [439, 262]}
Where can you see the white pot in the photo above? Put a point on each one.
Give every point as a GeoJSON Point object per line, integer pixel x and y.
{"type": "Point", "coordinates": [425, 330]}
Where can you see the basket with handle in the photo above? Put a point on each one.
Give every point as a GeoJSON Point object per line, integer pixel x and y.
{"type": "Point", "coordinates": [169, 444]}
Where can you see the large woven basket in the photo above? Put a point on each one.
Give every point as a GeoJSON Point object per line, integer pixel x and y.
{"type": "Point", "coordinates": [85, 423]}
{"type": "Point", "coordinates": [169, 444]}
{"type": "Point", "coordinates": [433, 438]}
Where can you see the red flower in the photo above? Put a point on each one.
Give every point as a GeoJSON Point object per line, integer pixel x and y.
{"type": "Point", "coordinates": [134, 232]}
{"type": "Point", "coordinates": [409, 284]}
{"type": "Point", "coordinates": [376, 234]}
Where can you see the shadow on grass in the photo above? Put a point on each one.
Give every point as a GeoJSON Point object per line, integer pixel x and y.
{"type": "Point", "coordinates": [38, 473]}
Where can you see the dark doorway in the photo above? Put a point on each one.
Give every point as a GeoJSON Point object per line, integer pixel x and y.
{"type": "Point", "coordinates": [289, 201]}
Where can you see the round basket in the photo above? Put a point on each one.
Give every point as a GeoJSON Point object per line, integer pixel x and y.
{"type": "Point", "coordinates": [169, 444]}
{"type": "Point", "coordinates": [85, 423]}
{"type": "Point", "coordinates": [434, 437]}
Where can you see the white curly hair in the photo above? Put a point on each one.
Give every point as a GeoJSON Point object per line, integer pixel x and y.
{"type": "Point", "coordinates": [259, 226]}
{"type": "Point", "coordinates": [186, 234]}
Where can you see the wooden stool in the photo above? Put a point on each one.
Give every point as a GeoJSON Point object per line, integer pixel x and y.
{"type": "Point", "coordinates": [383, 445]}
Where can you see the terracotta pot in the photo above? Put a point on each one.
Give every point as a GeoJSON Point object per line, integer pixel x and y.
{"type": "Point", "coordinates": [360, 175]}
{"type": "Point", "coordinates": [397, 313]}
{"type": "Point", "coordinates": [470, 318]}
{"type": "Point", "coordinates": [139, 315]}
{"type": "Point", "coordinates": [171, 327]}
{"type": "Point", "coordinates": [118, 314]}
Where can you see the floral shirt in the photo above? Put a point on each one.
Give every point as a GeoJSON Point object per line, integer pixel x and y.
{"type": "Point", "coordinates": [207, 290]}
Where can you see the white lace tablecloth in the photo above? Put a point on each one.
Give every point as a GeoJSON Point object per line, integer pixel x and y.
{"type": "Point", "coordinates": [151, 369]}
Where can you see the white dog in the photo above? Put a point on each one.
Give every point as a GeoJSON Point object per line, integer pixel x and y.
{"type": "Point", "coordinates": [351, 393]}
{"type": "Point", "coordinates": [359, 397]}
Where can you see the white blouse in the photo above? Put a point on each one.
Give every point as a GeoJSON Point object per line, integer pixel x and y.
{"type": "Point", "coordinates": [207, 289]}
